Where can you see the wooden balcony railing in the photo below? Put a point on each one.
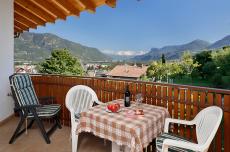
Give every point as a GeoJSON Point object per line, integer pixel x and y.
{"type": "Point", "coordinates": [182, 101]}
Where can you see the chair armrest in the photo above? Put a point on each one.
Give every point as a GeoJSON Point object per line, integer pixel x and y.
{"type": "Point", "coordinates": [28, 107]}
{"type": "Point", "coordinates": [177, 121]}
{"type": "Point", "coordinates": [98, 102]}
{"type": "Point", "coordinates": [46, 99]}
{"type": "Point", "coordinates": [181, 144]}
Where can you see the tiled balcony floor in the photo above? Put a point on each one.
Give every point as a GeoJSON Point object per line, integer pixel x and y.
{"type": "Point", "coordinates": [60, 140]}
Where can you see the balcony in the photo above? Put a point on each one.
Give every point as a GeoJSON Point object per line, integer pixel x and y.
{"type": "Point", "coordinates": [182, 101]}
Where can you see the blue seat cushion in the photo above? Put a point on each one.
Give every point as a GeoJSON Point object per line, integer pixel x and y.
{"type": "Point", "coordinates": [162, 137]}
{"type": "Point", "coordinates": [24, 90]}
{"type": "Point", "coordinates": [46, 110]}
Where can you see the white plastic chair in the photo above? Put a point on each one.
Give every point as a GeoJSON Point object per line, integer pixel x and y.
{"type": "Point", "coordinates": [78, 99]}
{"type": "Point", "coordinates": [206, 121]}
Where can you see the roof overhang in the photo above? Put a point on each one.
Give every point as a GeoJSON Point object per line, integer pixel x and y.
{"type": "Point", "coordinates": [32, 13]}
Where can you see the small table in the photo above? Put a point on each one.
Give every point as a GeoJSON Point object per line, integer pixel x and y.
{"type": "Point", "coordinates": [134, 133]}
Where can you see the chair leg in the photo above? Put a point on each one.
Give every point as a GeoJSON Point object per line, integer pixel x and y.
{"type": "Point", "coordinates": [56, 125]}
{"type": "Point", "coordinates": [58, 122]}
{"type": "Point", "coordinates": [74, 141]}
{"type": "Point", "coordinates": [104, 142]}
{"type": "Point", "coordinates": [30, 124]}
{"type": "Point", "coordinates": [42, 129]}
{"type": "Point", "coordinates": [15, 135]}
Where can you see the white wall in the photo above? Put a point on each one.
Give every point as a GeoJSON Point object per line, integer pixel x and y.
{"type": "Point", "coordinates": [6, 56]}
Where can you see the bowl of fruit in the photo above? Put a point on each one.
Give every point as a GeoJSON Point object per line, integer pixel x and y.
{"type": "Point", "coordinates": [113, 107]}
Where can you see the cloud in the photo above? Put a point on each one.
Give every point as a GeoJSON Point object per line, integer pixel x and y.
{"type": "Point", "coordinates": [124, 52]}
{"type": "Point", "coordinates": [107, 51]}
{"type": "Point", "coordinates": [130, 53]}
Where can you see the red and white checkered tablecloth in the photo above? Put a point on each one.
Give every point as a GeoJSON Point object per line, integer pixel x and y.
{"type": "Point", "coordinates": [136, 133]}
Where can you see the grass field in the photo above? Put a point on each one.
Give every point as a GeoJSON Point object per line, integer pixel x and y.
{"type": "Point", "coordinates": [194, 82]}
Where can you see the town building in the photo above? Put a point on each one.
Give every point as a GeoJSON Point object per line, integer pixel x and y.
{"type": "Point", "coordinates": [127, 72]}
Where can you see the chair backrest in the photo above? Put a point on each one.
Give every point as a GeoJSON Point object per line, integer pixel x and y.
{"type": "Point", "coordinates": [207, 123]}
{"type": "Point", "coordinates": [80, 98]}
{"type": "Point", "coordinates": [23, 90]}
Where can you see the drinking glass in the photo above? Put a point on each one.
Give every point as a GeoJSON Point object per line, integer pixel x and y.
{"type": "Point", "coordinates": [138, 100]}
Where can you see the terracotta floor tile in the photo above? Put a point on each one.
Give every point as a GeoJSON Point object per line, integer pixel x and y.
{"type": "Point", "coordinates": [60, 140]}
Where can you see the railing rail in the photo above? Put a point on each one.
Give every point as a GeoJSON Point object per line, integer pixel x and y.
{"type": "Point", "coordinates": [182, 101]}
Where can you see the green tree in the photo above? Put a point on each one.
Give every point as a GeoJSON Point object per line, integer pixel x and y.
{"type": "Point", "coordinates": [161, 71]}
{"type": "Point", "coordinates": [195, 73]}
{"type": "Point", "coordinates": [209, 69]}
{"type": "Point", "coordinates": [226, 47]}
{"type": "Point", "coordinates": [202, 58]}
{"type": "Point", "coordinates": [187, 63]}
{"type": "Point", "coordinates": [174, 69]}
{"type": "Point", "coordinates": [157, 70]}
{"type": "Point", "coordinates": [222, 60]}
{"type": "Point", "coordinates": [61, 62]}
{"type": "Point", "coordinates": [217, 80]}
{"type": "Point", "coordinates": [163, 59]}
{"type": "Point", "coordinates": [144, 78]}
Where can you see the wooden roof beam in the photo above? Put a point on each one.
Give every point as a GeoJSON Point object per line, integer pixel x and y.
{"type": "Point", "coordinates": [48, 6]}
{"type": "Point", "coordinates": [24, 20]}
{"type": "Point", "coordinates": [22, 26]}
{"type": "Point", "coordinates": [31, 13]}
{"type": "Point", "coordinates": [78, 4]}
{"type": "Point", "coordinates": [17, 29]}
{"type": "Point", "coordinates": [111, 3]}
{"type": "Point", "coordinates": [27, 14]}
{"type": "Point", "coordinates": [90, 5]}
{"type": "Point", "coordinates": [38, 11]}
{"type": "Point", "coordinates": [60, 7]}
{"type": "Point", "coordinates": [69, 7]}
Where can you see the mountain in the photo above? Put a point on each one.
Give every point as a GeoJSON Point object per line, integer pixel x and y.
{"type": "Point", "coordinates": [37, 47]}
{"type": "Point", "coordinates": [192, 46]}
{"type": "Point", "coordinates": [219, 44]}
{"type": "Point", "coordinates": [172, 51]}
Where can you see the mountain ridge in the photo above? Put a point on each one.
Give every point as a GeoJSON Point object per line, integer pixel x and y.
{"type": "Point", "coordinates": [38, 46]}
{"type": "Point", "coordinates": [175, 51]}
{"type": "Point", "coordinates": [220, 43]}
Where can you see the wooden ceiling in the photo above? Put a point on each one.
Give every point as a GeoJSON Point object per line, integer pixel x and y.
{"type": "Point", "coordinates": [32, 13]}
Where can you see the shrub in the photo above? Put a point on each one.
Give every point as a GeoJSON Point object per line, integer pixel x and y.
{"type": "Point", "coordinates": [226, 82]}
{"type": "Point", "coordinates": [209, 69]}
{"type": "Point", "coordinates": [217, 80]}
{"type": "Point", "coordinates": [195, 73]}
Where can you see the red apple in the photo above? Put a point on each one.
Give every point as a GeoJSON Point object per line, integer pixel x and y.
{"type": "Point", "coordinates": [114, 108]}
{"type": "Point", "coordinates": [118, 105]}
{"type": "Point", "coordinates": [109, 107]}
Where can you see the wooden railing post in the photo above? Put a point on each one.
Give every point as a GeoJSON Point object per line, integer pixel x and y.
{"type": "Point", "coordinates": [226, 123]}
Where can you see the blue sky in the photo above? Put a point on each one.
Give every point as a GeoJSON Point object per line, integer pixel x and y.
{"type": "Point", "coordinates": [140, 25]}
